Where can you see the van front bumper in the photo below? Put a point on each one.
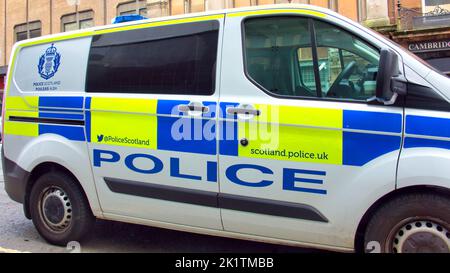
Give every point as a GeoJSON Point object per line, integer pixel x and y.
{"type": "Point", "coordinates": [15, 179]}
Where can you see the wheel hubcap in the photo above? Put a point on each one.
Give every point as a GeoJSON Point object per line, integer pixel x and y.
{"type": "Point", "coordinates": [422, 236]}
{"type": "Point", "coordinates": [56, 209]}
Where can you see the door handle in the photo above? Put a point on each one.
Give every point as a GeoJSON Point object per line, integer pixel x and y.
{"type": "Point", "coordinates": [243, 111]}
{"type": "Point", "coordinates": [193, 107]}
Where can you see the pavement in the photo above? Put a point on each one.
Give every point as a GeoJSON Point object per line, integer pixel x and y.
{"type": "Point", "coordinates": [17, 234]}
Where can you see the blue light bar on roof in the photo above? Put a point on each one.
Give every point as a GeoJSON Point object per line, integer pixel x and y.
{"type": "Point", "coordinates": [128, 18]}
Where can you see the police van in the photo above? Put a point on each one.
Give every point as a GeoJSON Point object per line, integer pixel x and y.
{"type": "Point", "coordinates": [283, 124]}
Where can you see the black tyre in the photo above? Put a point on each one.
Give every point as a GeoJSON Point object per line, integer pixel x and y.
{"type": "Point", "coordinates": [412, 223]}
{"type": "Point", "coordinates": [59, 209]}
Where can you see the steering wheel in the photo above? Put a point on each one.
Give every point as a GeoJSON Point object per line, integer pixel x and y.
{"type": "Point", "coordinates": [345, 74]}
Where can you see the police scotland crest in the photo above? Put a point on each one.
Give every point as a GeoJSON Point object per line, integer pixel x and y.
{"type": "Point", "coordinates": [49, 63]}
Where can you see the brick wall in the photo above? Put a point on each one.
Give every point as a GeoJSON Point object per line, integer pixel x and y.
{"type": "Point", "coordinates": [49, 12]}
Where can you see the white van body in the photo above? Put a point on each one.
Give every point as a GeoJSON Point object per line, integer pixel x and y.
{"type": "Point", "coordinates": [267, 165]}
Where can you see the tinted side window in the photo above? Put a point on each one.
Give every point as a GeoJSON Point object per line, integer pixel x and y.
{"type": "Point", "coordinates": [176, 59]}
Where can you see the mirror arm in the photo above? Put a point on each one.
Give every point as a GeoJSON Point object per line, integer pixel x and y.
{"type": "Point", "coordinates": [399, 85]}
{"type": "Point", "coordinates": [376, 100]}
{"type": "Point", "coordinates": [391, 101]}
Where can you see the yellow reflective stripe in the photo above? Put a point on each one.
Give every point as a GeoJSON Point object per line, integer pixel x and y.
{"type": "Point", "coordinates": [26, 103]}
{"type": "Point", "coordinates": [277, 11]}
{"type": "Point", "coordinates": [304, 116]}
{"type": "Point", "coordinates": [22, 106]}
{"type": "Point", "coordinates": [134, 130]}
{"type": "Point", "coordinates": [131, 105]}
{"type": "Point", "coordinates": [291, 143]}
{"type": "Point", "coordinates": [283, 133]}
{"type": "Point", "coordinates": [162, 23]}
{"type": "Point", "coordinates": [21, 128]}
{"type": "Point", "coordinates": [124, 122]}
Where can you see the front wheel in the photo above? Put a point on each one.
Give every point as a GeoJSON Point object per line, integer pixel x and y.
{"type": "Point", "coordinates": [59, 209]}
{"type": "Point", "coordinates": [413, 223]}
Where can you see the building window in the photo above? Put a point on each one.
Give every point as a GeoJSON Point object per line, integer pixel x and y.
{"type": "Point", "coordinates": [434, 5]}
{"type": "Point", "coordinates": [157, 8]}
{"type": "Point", "coordinates": [436, 2]}
{"type": "Point", "coordinates": [292, 1]}
{"type": "Point", "coordinates": [187, 6]}
{"type": "Point", "coordinates": [133, 7]}
{"type": "Point", "coordinates": [27, 31]}
{"type": "Point", "coordinates": [362, 10]}
{"type": "Point", "coordinates": [333, 5]}
{"type": "Point", "coordinates": [80, 20]}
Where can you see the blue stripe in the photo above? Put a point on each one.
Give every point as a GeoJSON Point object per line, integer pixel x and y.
{"type": "Point", "coordinates": [360, 148]}
{"type": "Point", "coordinates": [372, 121]}
{"type": "Point", "coordinates": [88, 103]}
{"type": "Point", "coordinates": [87, 122]}
{"type": "Point", "coordinates": [223, 110]}
{"type": "Point", "coordinates": [212, 109]}
{"type": "Point", "coordinates": [185, 134]}
{"type": "Point", "coordinates": [412, 142]}
{"type": "Point", "coordinates": [228, 138]}
{"type": "Point", "coordinates": [69, 132]}
{"type": "Point", "coordinates": [61, 116]}
{"type": "Point", "coordinates": [193, 135]}
{"type": "Point", "coordinates": [170, 107]}
{"type": "Point", "coordinates": [428, 126]}
{"type": "Point", "coordinates": [62, 102]}
{"type": "Point", "coordinates": [60, 110]}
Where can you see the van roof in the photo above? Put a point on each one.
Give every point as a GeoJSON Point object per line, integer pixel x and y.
{"type": "Point", "coordinates": [314, 10]}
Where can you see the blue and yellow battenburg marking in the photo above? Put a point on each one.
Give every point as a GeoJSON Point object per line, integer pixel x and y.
{"type": "Point", "coordinates": [316, 135]}
{"type": "Point", "coordinates": [301, 134]}
{"type": "Point", "coordinates": [62, 108]}
{"type": "Point", "coordinates": [150, 123]}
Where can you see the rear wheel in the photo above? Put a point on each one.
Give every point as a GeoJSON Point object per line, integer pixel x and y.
{"type": "Point", "coordinates": [59, 209]}
{"type": "Point", "coordinates": [413, 223]}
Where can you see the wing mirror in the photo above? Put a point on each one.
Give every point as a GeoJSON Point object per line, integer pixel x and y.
{"type": "Point", "coordinates": [390, 82]}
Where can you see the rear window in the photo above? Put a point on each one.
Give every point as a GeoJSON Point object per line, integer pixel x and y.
{"type": "Point", "coordinates": [176, 59]}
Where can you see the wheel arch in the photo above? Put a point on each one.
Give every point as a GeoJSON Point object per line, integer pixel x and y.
{"type": "Point", "coordinates": [359, 235]}
{"type": "Point", "coordinates": [38, 171]}
{"type": "Point", "coordinates": [47, 151]}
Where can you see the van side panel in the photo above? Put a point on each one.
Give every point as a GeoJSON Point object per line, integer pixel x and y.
{"type": "Point", "coordinates": [151, 160]}
{"type": "Point", "coordinates": [44, 114]}
{"type": "Point", "coordinates": [425, 155]}
{"type": "Point", "coordinates": [364, 155]}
